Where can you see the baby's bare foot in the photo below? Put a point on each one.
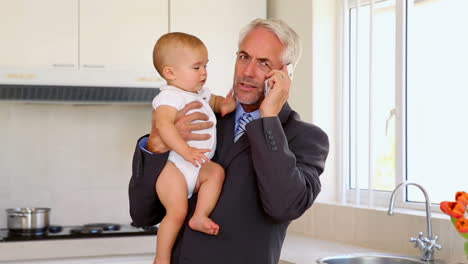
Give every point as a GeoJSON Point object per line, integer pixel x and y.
{"type": "Point", "coordinates": [204, 224]}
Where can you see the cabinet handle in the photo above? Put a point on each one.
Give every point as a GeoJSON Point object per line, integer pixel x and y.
{"type": "Point", "coordinates": [20, 76]}
{"type": "Point", "coordinates": [63, 65]}
{"type": "Point", "coordinates": [93, 66]}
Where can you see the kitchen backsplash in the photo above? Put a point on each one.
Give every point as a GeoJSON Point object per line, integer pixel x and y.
{"type": "Point", "coordinates": [75, 159]}
{"type": "Point", "coordinates": [374, 228]}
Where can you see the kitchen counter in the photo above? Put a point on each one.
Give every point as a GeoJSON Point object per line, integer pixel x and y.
{"type": "Point", "coordinates": [298, 249]}
{"type": "Point", "coordinates": [301, 249]}
{"type": "Point", "coordinates": [77, 248]}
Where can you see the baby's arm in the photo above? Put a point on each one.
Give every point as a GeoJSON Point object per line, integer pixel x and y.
{"type": "Point", "coordinates": [223, 105]}
{"type": "Point", "coordinates": [165, 117]}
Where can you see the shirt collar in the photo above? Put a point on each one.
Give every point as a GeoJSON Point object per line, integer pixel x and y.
{"type": "Point", "coordinates": [240, 111]}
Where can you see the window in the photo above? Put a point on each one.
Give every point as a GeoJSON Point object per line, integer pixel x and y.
{"type": "Point", "coordinates": [405, 94]}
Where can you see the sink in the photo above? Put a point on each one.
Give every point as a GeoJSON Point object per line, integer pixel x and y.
{"type": "Point", "coordinates": [369, 259]}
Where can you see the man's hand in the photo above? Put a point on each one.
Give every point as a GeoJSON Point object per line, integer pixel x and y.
{"type": "Point", "coordinates": [280, 84]}
{"type": "Point", "coordinates": [184, 126]}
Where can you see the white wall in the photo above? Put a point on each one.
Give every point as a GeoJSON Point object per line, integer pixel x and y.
{"type": "Point", "coordinates": [312, 94]}
{"type": "Point", "coordinates": [325, 99]}
{"type": "Point", "coordinates": [298, 14]}
{"type": "Point", "coordinates": [73, 159]}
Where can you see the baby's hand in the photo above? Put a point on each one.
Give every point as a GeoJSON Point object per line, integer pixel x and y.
{"type": "Point", "coordinates": [196, 156]}
{"type": "Point", "coordinates": [229, 104]}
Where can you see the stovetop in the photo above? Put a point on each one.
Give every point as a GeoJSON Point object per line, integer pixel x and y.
{"type": "Point", "coordinates": [73, 232]}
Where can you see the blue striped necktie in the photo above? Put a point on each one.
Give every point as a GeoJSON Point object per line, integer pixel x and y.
{"type": "Point", "coordinates": [241, 123]}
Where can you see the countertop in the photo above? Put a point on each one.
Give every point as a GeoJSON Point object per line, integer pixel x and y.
{"type": "Point", "coordinates": [297, 249]}
{"type": "Point", "coordinates": [301, 249]}
{"type": "Point", "coordinates": [76, 248]}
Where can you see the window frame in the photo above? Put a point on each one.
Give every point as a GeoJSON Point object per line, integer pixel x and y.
{"type": "Point", "coordinates": [362, 197]}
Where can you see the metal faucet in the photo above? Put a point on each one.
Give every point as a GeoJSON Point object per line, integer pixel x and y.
{"type": "Point", "coordinates": [425, 244]}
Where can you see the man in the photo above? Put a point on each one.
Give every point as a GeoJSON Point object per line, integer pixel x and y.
{"type": "Point", "coordinates": [271, 171]}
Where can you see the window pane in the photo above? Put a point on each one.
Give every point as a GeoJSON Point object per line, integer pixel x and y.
{"type": "Point", "coordinates": [383, 96]}
{"type": "Point", "coordinates": [437, 94]}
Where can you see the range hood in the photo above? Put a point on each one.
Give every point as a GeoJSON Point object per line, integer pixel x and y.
{"type": "Point", "coordinates": [77, 94]}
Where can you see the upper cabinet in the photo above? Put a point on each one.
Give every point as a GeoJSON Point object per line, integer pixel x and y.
{"type": "Point", "coordinates": [119, 35]}
{"type": "Point", "coordinates": [217, 23]}
{"type": "Point", "coordinates": [81, 42]}
{"type": "Point", "coordinates": [110, 42]}
{"type": "Point", "coordinates": [39, 34]}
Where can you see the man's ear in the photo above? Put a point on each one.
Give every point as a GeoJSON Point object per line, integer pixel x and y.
{"type": "Point", "coordinates": [169, 73]}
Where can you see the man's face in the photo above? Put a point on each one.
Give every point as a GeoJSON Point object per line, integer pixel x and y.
{"type": "Point", "coordinates": [258, 54]}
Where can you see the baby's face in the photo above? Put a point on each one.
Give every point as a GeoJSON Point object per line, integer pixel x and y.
{"type": "Point", "coordinates": [190, 69]}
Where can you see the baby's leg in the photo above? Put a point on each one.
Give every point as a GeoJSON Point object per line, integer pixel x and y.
{"type": "Point", "coordinates": [210, 184]}
{"type": "Point", "coordinates": [171, 188]}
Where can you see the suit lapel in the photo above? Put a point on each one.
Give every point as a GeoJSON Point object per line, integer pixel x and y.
{"type": "Point", "coordinates": [227, 149]}
{"type": "Point", "coordinates": [236, 148]}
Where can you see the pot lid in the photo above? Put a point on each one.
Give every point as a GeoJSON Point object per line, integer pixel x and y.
{"type": "Point", "coordinates": [28, 210]}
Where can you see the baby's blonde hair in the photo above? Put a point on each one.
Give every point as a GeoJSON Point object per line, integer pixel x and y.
{"type": "Point", "coordinates": [168, 43]}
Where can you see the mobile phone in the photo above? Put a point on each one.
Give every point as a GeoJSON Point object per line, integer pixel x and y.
{"type": "Point", "coordinates": [289, 68]}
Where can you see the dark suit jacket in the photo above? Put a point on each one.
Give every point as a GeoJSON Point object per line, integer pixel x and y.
{"type": "Point", "coordinates": [272, 177]}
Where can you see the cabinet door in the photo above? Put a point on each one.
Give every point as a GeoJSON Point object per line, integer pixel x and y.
{"type": "Point", "coordinates": [217, 23]}
{"type": "Point", "coordinates": [119, 35]}
{"type": "Point", "coordinates": [38, 34]}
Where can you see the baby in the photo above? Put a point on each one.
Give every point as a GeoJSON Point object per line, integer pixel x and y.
{"type": "Point", "coordinates": [181, 60]}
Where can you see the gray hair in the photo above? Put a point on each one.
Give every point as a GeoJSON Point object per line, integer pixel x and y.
{"type": "Point", "coordinates": [287, 36]}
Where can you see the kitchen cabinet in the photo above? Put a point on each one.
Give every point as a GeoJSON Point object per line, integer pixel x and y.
{"type": "Point", "coordinates": [217, 23]}
{"type": "Point", "coordinates": [81, 42]}
{"type": "Point", "coordinates": [119, 35]}
{"type": "Point", "coordinates": [38, 34]}
{"type": "Point", "coordinates": [110, 42]}
{"type": "Point", "coordinates": [132, 259]}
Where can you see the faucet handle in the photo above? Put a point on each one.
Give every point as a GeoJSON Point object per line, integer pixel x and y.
{"type": "Point", "coordinates": [420, 237]}
{"type": "Point", "coordinates": [419, 240]}
{"type": "Point", "coordinates": [434, 243]}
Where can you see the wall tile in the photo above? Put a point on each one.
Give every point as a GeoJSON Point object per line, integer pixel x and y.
{"type": "Point", "coordinates": [75, 159]}
{"type": "Point", "coordinates": [373, 228]}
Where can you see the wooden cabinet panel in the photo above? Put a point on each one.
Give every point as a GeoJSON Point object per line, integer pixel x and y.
{"type": "Point", "coordinates": [38, 34]}
{"type": "Point", "coordinates": [104, 42]}
{"type": "Point", "coordinates": [110, 42]}
{"type": "Point", "coordinates": [119, 35]}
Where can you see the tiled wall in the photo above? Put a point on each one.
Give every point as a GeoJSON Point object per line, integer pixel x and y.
{"type": "Point", "coordinates": [75, 159]}
{"type": "Point", "coordinates": [375, 229]}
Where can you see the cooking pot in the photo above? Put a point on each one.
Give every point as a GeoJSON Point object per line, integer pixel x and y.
{"type": "Point", "coordinates": [27, 219]}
